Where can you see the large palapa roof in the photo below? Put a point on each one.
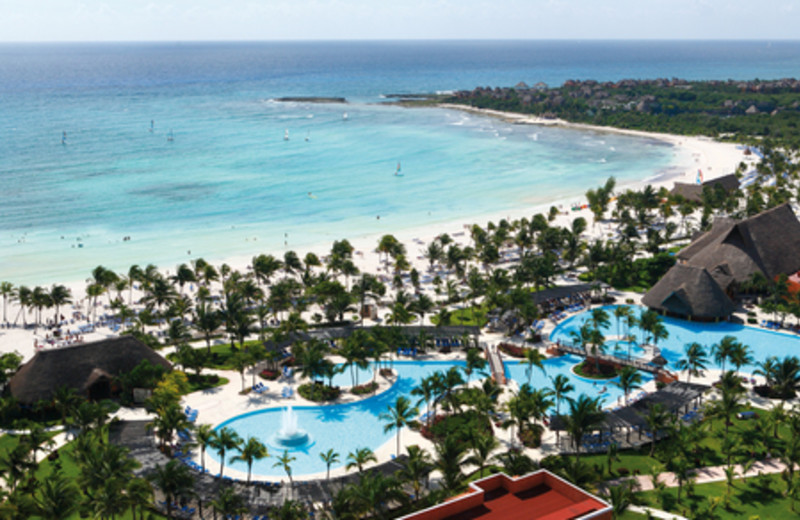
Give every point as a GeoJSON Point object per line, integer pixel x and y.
{"type": "Point", "coordinates": [79, 366]}
{"type": "Point", "coordinates": [694, 192]}
{"type": "Point", "coordinates": [768, 243]}
{"type": "Point", "coordinates": [689, 291]}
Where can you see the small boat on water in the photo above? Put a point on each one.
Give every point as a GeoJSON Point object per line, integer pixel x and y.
{"type": "Point", "coordinates": [286, 135]}
{"type": "Point", "coordinates": [344, 116]}
{"type": "Point", "coordinates": [397, 172]}
{"type": "Point", "coordinates": [308, 136]}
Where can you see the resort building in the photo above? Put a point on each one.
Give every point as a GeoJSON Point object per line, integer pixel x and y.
{"type": "Point", "coordinates": [539, 495]}
{"type": "Point", "coordinates": [694, 191]}
{"type": "Point", "coordinates": [703, 283]}
{"type": "Point", "coordinates": [89, 368]}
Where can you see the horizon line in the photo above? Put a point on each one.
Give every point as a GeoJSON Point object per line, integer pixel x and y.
{"type": "Point", "coordinates": [413, 40]}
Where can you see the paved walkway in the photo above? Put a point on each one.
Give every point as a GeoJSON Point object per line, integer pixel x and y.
{"type": "Point", "coordinates": [702, 475]}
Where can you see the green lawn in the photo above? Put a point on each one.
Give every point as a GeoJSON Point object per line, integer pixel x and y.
{"type": "Point", "coordinates": [758, 497]}
{"type": "Point", "coordinates": [68, 468]}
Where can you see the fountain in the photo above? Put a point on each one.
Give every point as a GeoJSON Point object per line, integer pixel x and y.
{"type": "Point", "coordinates": [290, 435]}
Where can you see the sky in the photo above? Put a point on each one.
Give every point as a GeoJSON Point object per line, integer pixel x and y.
{"type": "Point", "coordinates": [214, 20]}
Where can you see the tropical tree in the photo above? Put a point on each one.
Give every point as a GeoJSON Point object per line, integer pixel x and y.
{"type": "Point", "coordinates": [475, 361]}
{"type": "Point", "coordinates": [397, 417]}
{"type": "Point", "coordinates": [417, 467]}
{"type": "Point", "coordinates": [656, 419]}
{"type": "Point", "coordinates": [139, 494]}
{"type": "Point", "coordinates": [251, 451]}
{"type": "Point", "coordinates": [228, 503]}
{"type": "Point", "coordinates": [7, 291]}
{"type": "Point", "coordinates": [694, 360]}
{"type": "Point", "coordinates": [449, 460]}
{"type": "Point", "coordinates": [360, 457]}
{"type": "Point", "coordinates": [534, 358]}
{"type": "Point", "coordinates": [285, 462]}
{"type": "Point", "coordinates": [629, 379]}
{"type": "Point", "coordinates": [722, 351]}
{"type": "Point", "coordinates": [481, 446]}
{"type": "Point", "coordinates": [584, 415]}
{"type": "Point", "coordinates": [173, 479]}
{"type": "Point", "coordinates": [58, 497]}
{"type": "Point", "coordinates": [225, 439]}
{"type": "Point", "coordinates": [329, 457]}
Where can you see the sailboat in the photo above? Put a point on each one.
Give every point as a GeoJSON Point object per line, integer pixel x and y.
{"type": "Point", "coordinates": [344, 116]}
{"type": "Point", "coordinates": [286, 135]}
{"type": "Point", "coordinates": [397, 172]}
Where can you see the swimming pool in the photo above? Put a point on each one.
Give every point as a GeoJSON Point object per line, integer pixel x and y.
{"type": "Point", "coordinates": [347, 427]}
{"type": "Point", "coordinates": [763, 343]}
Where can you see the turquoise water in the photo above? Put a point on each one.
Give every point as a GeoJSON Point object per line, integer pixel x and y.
{"type": "Point", "coordinates": [347, 427]}
{"type": "Point", "coordinates": [763, 343]}
{"type": "Point", "coordinates": [229, 185]}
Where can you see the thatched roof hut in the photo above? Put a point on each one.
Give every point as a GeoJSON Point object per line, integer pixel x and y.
{"type": "Point", "coordinates": [729, 253]}
{"type": "Point", "coordinates": [732, 251]}
{"type": "Point", "coordinates": [694, 192]}
{"type": "Point", "coordinates": [691, 292]}
{"type": "Point", "coordinates": [88, 368]}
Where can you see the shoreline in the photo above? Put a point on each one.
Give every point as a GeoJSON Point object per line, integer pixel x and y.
{"type": "Point", "coordinates": [714, 158]}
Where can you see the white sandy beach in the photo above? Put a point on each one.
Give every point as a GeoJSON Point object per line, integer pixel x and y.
{"type": "Point", "coordinates": [691, 153]}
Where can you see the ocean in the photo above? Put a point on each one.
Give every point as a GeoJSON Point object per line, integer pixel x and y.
{"type": "Point", "coordinates": [86, 180]}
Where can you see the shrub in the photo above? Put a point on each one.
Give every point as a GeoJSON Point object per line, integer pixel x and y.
{"type": "Point", "coordinates": [463, 426]}
{"type": "Point", "coordinates": [269, 375]}
{"type": "Point", "coordinates": [367, 388]}
{"type": "Point", "coordinates": [511, 350]}
{"type": "Point", "coordinates": [318, 392]}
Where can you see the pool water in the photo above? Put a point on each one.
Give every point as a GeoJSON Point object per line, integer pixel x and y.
{"type": "Point", "coordinates": [763, 343]}
{"type": "Point", "coordinates": [347, 427]}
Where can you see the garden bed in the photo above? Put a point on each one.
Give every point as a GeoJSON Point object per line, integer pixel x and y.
{"type": "Point", "coordinates": [364, 389]}
{"type": "Point", "coordinates": [319, 392]}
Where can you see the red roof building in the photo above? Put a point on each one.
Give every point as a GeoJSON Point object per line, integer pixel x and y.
{"type": "Point", "coordinates": [539, 495]}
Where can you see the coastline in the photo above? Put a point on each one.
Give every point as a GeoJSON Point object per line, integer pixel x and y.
{"type": "Point", "coordinates": [690, 154]}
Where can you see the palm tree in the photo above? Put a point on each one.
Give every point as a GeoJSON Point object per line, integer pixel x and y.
{"type": "Point", "coordinates": [398, 416]}
{"type": "Point", "coordinates": [225, 439]}
{"type": "Point", "coordinates": [6, 291]}
{"type": "Point", "coordinates": [722, 351]}
{"type": "Point", "coordinates": [621, 312]}
{"type": "Point", "coordinates": [740, 356]}
{"type": "Point", "coordinates": [58, 498]}
{"type": "Point", "coordinates": [694, 360]}
{"type": "Point", "coordinates": [359, 458]}
{"type": "Point", "coordinates": [481, 445]}
{"type": "Point", "coordinates": [329, 457]}
{"type": "Point", "coordinates": [372, 495]}
{"type": "Point", "coordinates": [417, 466]}
{"type": "Point", "coordinates": [138, 493]}
{"type": "Point", "coordinates": [251, 451]}
{"type": "Point", "coordinates": [584, 415]}
{"type": "Point", "coordinates": [475, 361]}
{"type": "Point", "coordinates": [426, 390]}
{"type": "Point", "coordinates": [534, 358]}
{"type": "Point", "coordinates": [656, 419]}
{"type": "Point", "coordinates": [622, 497]}
{"type": "Point", "coordinates": [207, 320]}
{"type": "Point", "coordinates": [561, 387]}
{"type": "Point", "coordinates": [449, 460]}
{"type": "Point", "coordinates": [629, 379]}
{"type": "Point", "coordinates": [228, 503]}
{"type": "Point", "coordinates": [173, 479]}
{"type": "Point", "coordinates": [285, 462]}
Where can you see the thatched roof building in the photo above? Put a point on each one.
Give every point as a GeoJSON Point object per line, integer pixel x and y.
{"type": "Point", "coordinates": [709, 268]}
{"type": "Point", "coordinates": [694, 192]}
{"type": "Point", "coordinates": [690, 292]}
{"type": "Point", "coordinates": [89, 368]}
{"type": "Point", "coordinates": [732, 251]}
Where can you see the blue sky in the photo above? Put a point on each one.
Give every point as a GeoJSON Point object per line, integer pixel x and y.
{"type": "Point", "coordinates": [169, 20]}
